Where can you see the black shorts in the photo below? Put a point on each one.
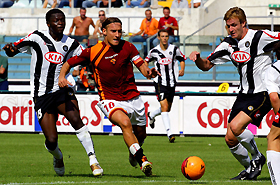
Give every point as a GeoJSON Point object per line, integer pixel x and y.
{"type": "Point", "coordinates": [49, 102]}
{"type": "Point", "coordinates": [254, 105]}
{"type": "Point", "coordinates": [163, 92]}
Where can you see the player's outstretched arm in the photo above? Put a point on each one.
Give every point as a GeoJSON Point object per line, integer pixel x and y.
{"type": "Point", "coordinates": [10, 50]}
{"type": "Point", "coordinates": [62, 82]}
{"type": "Point", "coordinates": [203, 64]}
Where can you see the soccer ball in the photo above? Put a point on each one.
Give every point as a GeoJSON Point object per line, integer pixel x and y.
{"type": "Point", "coordinates": [193, 168]}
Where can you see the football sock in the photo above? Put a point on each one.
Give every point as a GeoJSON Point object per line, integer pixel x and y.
{"type": "Point", "coordinates": [247, 140]}
{"type": "Point", "coordinates": [241, 154]}
{"type": "Point", "coordinates": [166, 122]}
{"type": "Point", "coordinates": [273, 159]}
{"type": "Point", "coordinates": [137, 151]}
{"type": "Point", "coordinates": [155, 113]}
{"type": "Point", "coordinates": [85, 139]}
{"type": "Point", "coordinates": [56, 152]}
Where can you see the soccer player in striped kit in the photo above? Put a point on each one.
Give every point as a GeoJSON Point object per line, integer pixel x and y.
{"type": "Point", "coordinates": [165, 57]}
{"type": "Point", "coordinates": [250, 51]}
{"type": "Point", "coordinates": [49, 50]}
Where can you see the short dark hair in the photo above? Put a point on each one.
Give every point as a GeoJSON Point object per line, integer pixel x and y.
{"type": "Point", "coordinates": [83, 8]}
{"type": "Point", "coordinates": [163, 30]}
{"type": "Point", "coordinates": [166, 8]}
{"type": "Point", "coordinates": [276, 49]}
{"type": "Point", "coordinates": [109, 21]}
{"type": "Point", "coordinates": [53, 11]}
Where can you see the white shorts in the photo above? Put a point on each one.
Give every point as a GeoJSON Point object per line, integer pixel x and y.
{"type": "Point", "coordinates": [134, 109]}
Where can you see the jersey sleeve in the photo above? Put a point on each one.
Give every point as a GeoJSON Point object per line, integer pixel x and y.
{"type": "Point", "coordinates": [82, 59]}
{"type": "Point", "coordinates": [179, 55]}
{"type": "Point", "coordinates": [78, 50]}
{"type": "Point", "coordinates": [272, 79]}
{"type": "Point", "coordinates": [221, 54]}
{"type": "Point", "coordinates": [149, 56]}
{"type": "Point", "coordinates": [268, 40]}
{"type": "Point", "coordinates": [135, 57]}
{"type": "Point", "coordinates": [24, 44]}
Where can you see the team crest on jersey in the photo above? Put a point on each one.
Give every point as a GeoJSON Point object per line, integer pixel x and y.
{"type": "Point", "coordinates": [65, 48]}
{"type": "Point", "coordinates": [170, 52]}
{"type": "Point", "coordinates": [113, 61]}
{"type": "Point", "coordinates": [165, 61]}
{"type": "Point", "coordinates": [240, 56]}
{"type": "Point", "coordinates": [250, 108]}
{"type": "Point", "coordinates": [257, 114]}
{"type": "Point", "coordinates": [54, 57]}
{"type": "Point", "coordinates": [247, 44]}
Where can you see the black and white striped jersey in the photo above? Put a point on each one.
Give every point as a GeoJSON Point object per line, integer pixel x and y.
{"type": "Point", "coordinates": [47, 59]}
{"type": "Point", "coordinates": [166, 63]}
{"type": "Point", "coordinates": [251, 55]}
{"type": "Point", "coordinates": [272, 78]}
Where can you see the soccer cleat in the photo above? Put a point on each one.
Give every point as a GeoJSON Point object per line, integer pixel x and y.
{"type": "Point", "coordinates": [256, 167]}
{"type": "Point", "coordinates": [241, 176]}
{"type": "Point", "coordinates": [96, 170]}
{"type": "Point", "coordinates": [132, 160]}
{"type": "Point", "coordinates": [146, 166]}
{"type": "Point", "coordinates": [58, 166]}
{"type": "Point", "coordinates": [152, 121]}
{"type": "Point", "coordinates": [171, 139]}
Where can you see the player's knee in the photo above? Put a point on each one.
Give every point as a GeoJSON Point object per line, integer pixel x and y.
{"type": "Point", "coordinates": [51, 143]}
{"type": "Point", "coordinates": [126, 125]}
{"type": "Point", "coordinates": [235, 129]}
{"type": "Point", "coordinates": [231, 141]}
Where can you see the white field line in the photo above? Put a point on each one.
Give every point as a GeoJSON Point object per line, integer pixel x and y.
{"type": "Point", "coordinates": [128, 182]}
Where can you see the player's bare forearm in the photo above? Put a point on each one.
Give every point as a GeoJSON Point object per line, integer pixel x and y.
{"type": "Point", "coordinates": [182, 70]}
{"type": "Point", "coordinates": [203, 64]}
{"type": "Point", "coordinates": [62, 82]}
{"type": "Point", "coordinates": [10, 50]}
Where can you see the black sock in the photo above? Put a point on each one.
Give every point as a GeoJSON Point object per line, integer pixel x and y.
{"type": "Point", "coordinates": [138, 156]}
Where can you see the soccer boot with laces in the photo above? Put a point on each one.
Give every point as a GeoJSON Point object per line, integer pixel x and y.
{"type": "Point", "coordinates": [241, 176]}
{"type": "Point", "coordinates": [256, 167]}
{"type": "Point", "coordinates": [151, 121]}
{"type": "Point", "coordinates": [96, 169]}
{"type": "Point", "coordinates": [171, 139]}
{"type": "Point", "coordinates": [58, 166]}
{"type": "Point", "coordinates": [146, 166]}
{"type": "Point", "coordinates": [132, 160]}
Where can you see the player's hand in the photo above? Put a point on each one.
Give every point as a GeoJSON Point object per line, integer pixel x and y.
{"type": "Point", "coordinates": [152, 73]}
{"type": "Point", "coordinates": [181, 72]}
{"type": "Point", "coordinates": [62, 82]}
{"type": "Point", "coordinates": [194, 56]}
{"type": "Point", "coordinates": [10, 50]}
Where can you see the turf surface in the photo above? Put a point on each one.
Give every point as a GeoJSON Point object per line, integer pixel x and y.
{"type": "Point", "coordinates": [25, 161]}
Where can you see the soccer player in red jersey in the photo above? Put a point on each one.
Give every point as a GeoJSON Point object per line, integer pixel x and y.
{"type": "Point", "coordinates": [120, 100]}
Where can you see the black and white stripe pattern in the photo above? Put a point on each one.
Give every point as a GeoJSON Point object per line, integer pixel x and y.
{"type": "Point", "coordinates": [166, 63]}
{"type": "Point", "coordinates": [47, 59]}
{"type": "Point", "coordinates": [256, 46]}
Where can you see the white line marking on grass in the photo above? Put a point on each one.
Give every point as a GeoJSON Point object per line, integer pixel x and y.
{"type": "Point", "coordinates": [127, 182]}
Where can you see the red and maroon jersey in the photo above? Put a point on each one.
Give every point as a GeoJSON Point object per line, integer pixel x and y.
{"type": "Point", "coordinates": [169, 20]}
{"type": "Point", "coordinates": [113, 70]}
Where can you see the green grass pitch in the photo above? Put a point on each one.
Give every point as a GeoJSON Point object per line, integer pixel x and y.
{"type": "Point", "coordinates": [25, 161]}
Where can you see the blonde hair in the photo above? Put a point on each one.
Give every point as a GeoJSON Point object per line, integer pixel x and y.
{"type": "Point", "coordinates": [235, 12]}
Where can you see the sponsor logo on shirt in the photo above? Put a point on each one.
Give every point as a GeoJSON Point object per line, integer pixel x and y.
{"type": "Point", "coordinates": [276, 118]}
{"type": "Point", "coordinates": [54, 57]}
{"type": "Point", "coordinates": [240, 56]}
{"type": "Point", "coordinates": [165, 61]}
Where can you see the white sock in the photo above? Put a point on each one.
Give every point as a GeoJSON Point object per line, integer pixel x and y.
{"type": "Point", "coordinates": [241, 154]}
{"type": "Point", "coordinates": [155, 113]}
{"type": "Point", "coordinates": [56, 152]}
{"type": "Point", "coordinates": [273, 159]}
{"type": "Point", "coordinates": [166, 122]}
{"type": "Point", "coordinates": [134, 148]}
{"type": "Point", "coordinates": [85, 138]}
{"type": "Point", "coordinates": [247, 140]}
